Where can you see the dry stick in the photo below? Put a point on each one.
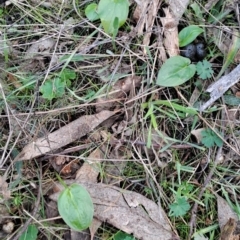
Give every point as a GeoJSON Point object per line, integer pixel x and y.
{"type": "Point", "coordinates": [194, 209]}
{"type": "Point", "coordinates": [34, 212]}
{"type": "Point", "coordinates": [217, 89]}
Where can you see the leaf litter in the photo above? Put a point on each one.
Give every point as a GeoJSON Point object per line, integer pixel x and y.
{"type": "Point", "coordinates": [117, 111]}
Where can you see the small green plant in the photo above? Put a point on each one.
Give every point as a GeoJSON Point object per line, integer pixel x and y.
{"type": "Point", "coordinates": [76, 207]}
{"type": "Point", "coordinates": [123, 236]}
{"type": "Point", "coordinates": [204, 69]}
{"type": "Point", "coordinates": [189, 34]}
{"type": "Point", "coordinates": [113, 14]}
{"type": "Point", "coordinates": [30, 233]}
{"type": "Point", "coordinates": [56, 85]}
{"type": "Point", "coordinates": [210, 138]}
{"type": "Point", "coordinates": [18, 200]}
{"type": "Point", "coordinates": [180, 207]}
{"type": "Point", "coordinates": [177, 70]}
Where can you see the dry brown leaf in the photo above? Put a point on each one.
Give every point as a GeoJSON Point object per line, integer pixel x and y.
{"type": "Point", "coordinates": [63, 136]}
{"type": "Point", "coordinates": [94, 227]}
{"type": "Point", "coordinates": [128, 211]}
{"type": "Point", "coordinates": [4, 192]}
{"type": "Point", "coordinates": [145, 15]}
{"type": "Point", "coordinates": [91, 167]}
{"type": "Point", "coordinates": [119, 90]}
{"type": "Point", "coordinates": [170, 26]}
{"type": "Point", "coordinates": [227, 232]}
{"type": "Point", "coordinates": [197, 134]}
{"type": "Point", "coordinates": [224, 212]}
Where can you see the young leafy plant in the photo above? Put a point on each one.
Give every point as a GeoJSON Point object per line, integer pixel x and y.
{"type": "Point", "coordinates": [204, 69]}
{"type": "Point", "coordinates": [55, 86]}
{"type": "Point", "coordinates": [210, 138]}
{"type": "Point", "coordinates": [180, 207]}
{"type": "Point", "coordinates": [175, 71]}
{"type": "Point", "coordinates": [123, 236]}
{"type": "Point", "coordinates": [113, 14]}
{"type": "Point", "coordinates": [76, 207]}
{"type": "Point", "coordinates": [188, 35]}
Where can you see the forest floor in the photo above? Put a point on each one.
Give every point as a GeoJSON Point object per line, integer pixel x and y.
{"type": "Point", "coordinates": [119, 120]}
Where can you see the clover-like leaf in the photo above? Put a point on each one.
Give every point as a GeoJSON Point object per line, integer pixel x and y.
{"type": "Point", "coordinates": [210, 138]}
{"type": "Point", "coordinates": [180, 207]}
{"type": "Point", "coordinates": [204, 69]}
{"type": "Point", "coordinates": [188, 35]}
{"type": "Point", "coordinates": [76, 207]}
{"type": "Point", "coordinates": [53, 88]}
{"type": "Point", "coordinates": [67, 75]}
{"type": "Point", "coordinates": [175, 71]}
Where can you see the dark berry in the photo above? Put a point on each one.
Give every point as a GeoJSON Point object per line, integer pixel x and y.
{"type": "Point", "coordinates": [201, 52]}
{"type": "Point", "coordinates": [189, 51]}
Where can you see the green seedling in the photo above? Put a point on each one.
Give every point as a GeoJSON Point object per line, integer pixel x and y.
{"type": "Point", "coordinates": [76, 207]}
{"type": "Point", "coordinates": [112, 14]}
{"type": "Point", "coordinates": [55, 86]}
{"type": "Point", "coordinates": [204, 69]}
{"type": "Point", "coordinates": [210, 138]}
{"type": "Point", "coordinates": [123, 236]}
{"type": "Point", "coordinates": [189, 34]}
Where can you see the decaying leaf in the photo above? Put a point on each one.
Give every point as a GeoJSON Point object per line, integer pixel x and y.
{"type": "Point", "coordinates": [227, 232]}
{"type": "Point", "coordinates": [224, 212]}
{"type": "Point", "coordinates": [5, 193]}
{"type": "Point", "coordinates": [119, 90]}
{"type": "Point", "coordinates": [145, 15]}
{"type": "Point", "coordinates": [171, 41]}
{"type": "Point", "coordinates": [91, 167]}
{"type": "Point", "coordinates": [197, 134]}
{"type": "Point", "coordinates": [63, 136]}
{"type": "Point", "coordinates": [128, 211]}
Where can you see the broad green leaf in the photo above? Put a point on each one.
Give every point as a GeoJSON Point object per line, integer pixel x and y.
{"type": "Point", "coordinates": [76, 207]}
{"type": "Point", "coordinates": [109, 10]}
{"type": "Point", "coordinates": [189, 34]}
{"type": "Point", "coordinates": [30, 233]}
{"type": "Point", "coordinates": [175, 71]}
{"type": "Point", "coordinates": [91, 12]}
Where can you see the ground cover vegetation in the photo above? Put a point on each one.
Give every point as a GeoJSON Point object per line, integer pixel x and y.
{"type": "Point", "coordinates": [119, 119]}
